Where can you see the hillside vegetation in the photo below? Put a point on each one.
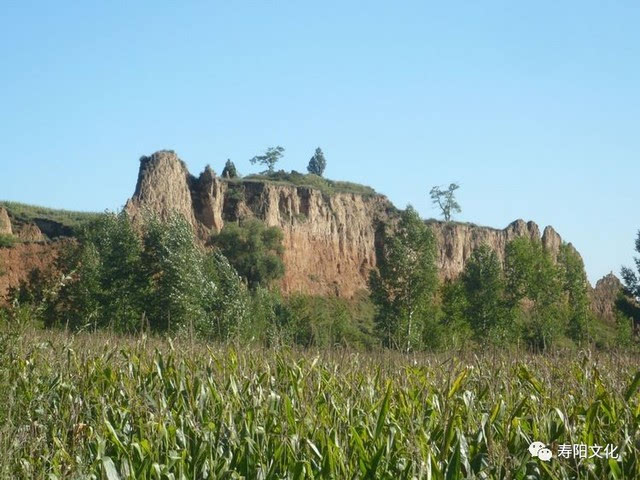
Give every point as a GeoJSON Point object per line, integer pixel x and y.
{"type": "Point", "coordinates": [24, 213]}
{"type": "Point", "coordinates": [155, 275]}
{"type": "Point", "coordinates": [297, 179]}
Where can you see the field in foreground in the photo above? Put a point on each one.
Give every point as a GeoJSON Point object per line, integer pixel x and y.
{"type": "Point", "coordinates": [95, 406]}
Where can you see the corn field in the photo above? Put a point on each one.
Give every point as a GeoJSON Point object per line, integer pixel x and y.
{"type": "Point", "coordinates": [105, 407]}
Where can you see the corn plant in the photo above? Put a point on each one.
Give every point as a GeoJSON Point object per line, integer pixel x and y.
{"type": "Point", "coordinates": [107, 407]}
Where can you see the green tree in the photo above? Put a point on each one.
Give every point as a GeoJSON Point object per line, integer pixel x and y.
{"type": "Point", "coordinates": [77, 304]}
{"type": "Point", "coordinates": [454, 314]}
{"type": "Point", "coordinates": [225, 300]}
{"type": "Point", "coordinates": [405, 282]}
{"type": "Point", "coordinates": [269, 158]}
{"type": "Point", "coordinates": [631, 279]}
{"type": "Point", "coordinates": [317, 164]}
{"type": "Point", "coordinates": [446, 200]}
{"type": "Point", "coordinates": [172, 262]}
{"type": "Point", "coordinates": [105, 287]}
{"type": "Point", "coordinates": [154, 274]}
{"type": "Point", "coordinates": [628, 303]}
{"type": "Point", "coordinates": [254, 250]}
{"type": "Point", "coordinates": [483, 287]}
{"type": "Point", "coordinates": [274, 322]}
{"type": "Point", "coordinates": [534, 290]}
{"type": "Point", "coordinates": [229, 170]}
{"type": "Point", "coordinates": [575, 285]}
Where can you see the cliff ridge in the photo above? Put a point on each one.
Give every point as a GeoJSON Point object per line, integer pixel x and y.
{"type": "Point", "coordinates": [329, 239]}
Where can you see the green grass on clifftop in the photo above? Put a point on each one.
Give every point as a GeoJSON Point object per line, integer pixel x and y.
{"type": "Point", "coordinates": [23, 213]}
{"type": "Point", "coordinates": [298, 179]}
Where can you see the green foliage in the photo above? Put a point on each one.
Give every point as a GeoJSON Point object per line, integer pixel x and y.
{"type": "Point", "coordinates": [533, 298]}
{"type": "Point", "coordinates": [104, 285]}
{"type": "Point", "coordinates": [127, 280]}
{"type": "Point", "coordinates": [627, 307]}
{"type": "Point", "coordinates": [173, 264]}
{"type": "Point", "coordinates": [483, 288]}
{"type": "Point", "coordinates": [229, 170]}
{"type": "Point", "coordinates": [454, 319]}
{"type": "Point", "coordinates": [534, 289]}
{"type": "Point", "coordinates": [631, 278]}
{"type": "Point", "coordinates": [326, 186]}
{"type": "Point", "coordinates": [317, 164]}
{"type": "Point", "coordinates": [226, 300]}
{"type": "Point", "coordinates": [7, 241]}
{"type": "Point", "coordinates": [98, 406]}
{"type": "Point", "coordinates": [575, 285]}
{"type": "Point", "coordinates": [269, 158]}
{"type": "Point", "coordinates": [22, 213]}
{"type": "Point", "coordinates": [273, 322]}
{"type": "Point", "coordinates": [625, 335]}
{"type": "Point", "coordinates": [329, 322]}
{"type": "Point", "coordinates": [404, 285]}
{"type": "Point", "coordinates": [311, 321]}
{"type": "Point", "coordinates": [446, 200]}
{"type": "Point", "coordinates": [253, 249]}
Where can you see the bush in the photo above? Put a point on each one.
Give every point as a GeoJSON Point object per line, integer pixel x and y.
{"type": "Point", "coordinates": [7, 241]}
{"type": "Point", "coordinates": [254, 250]}
{"type": "Point", "coordinates": [160, 278]}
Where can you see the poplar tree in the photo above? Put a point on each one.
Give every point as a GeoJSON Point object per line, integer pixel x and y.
{"type": "Point", "coordinates": [404, 285]}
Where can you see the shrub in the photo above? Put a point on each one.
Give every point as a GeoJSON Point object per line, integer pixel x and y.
{"type": "Point", "coordinates": [7, 241]}
{"type": "Point", "coordinates": [253, 249]}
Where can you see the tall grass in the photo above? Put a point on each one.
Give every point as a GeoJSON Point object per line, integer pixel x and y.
{"type": "Point", "coordinates": [100, 406]}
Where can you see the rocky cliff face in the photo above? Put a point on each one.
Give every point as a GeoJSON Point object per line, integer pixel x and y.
{"type": "Point", "coordinates": [603, 297]}
{"type": "Point", "coordinates": [162, 187]}
{"type": "Point", "coordinates": [329, 239]}
{"type": "Point", "coordinates": [23, 231]}
{"type": "Point", "coordinates": [456, 242]}
{"type": "Point", "coordinates": [19, 262]}
{"type": "Point", "coordinates": [30, 233]}
{"type": "Point", "coordinates": [5, 222]}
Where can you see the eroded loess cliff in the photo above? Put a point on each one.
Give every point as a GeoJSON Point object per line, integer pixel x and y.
{"type": "Point", "coordinates": [329, 239]}
{"type": "Point", "coordinates": [604, 296]}
{"type": "Point", "coordinates": [5, 222]}
{"type": "Point", "coordinates": [456, 242]}
{"type": "Point", "coordinates": [19, 262]}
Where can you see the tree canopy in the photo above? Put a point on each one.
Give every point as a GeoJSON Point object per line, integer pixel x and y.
{"type": "Point", "coordinates": [269, 158]}
{"type": "Point", "coordinates": [253, 249]}
{"type": "Point", "coordinates": [229, 170]}
{"type": "Point", "coordinates": [158, 277]}
{"type": "Point", "coordinates": [403, 286]}
{"type": "Point", "coordinates": [317, 164]}
{"type": "Point", "coordinates": [483, 287]}
{"type": "Point", "coordinates": [446, 200]}
{"type": "Point", "coordinates": [631, 278]}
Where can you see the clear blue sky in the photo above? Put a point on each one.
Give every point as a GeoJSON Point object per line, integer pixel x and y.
{"type": "Point", "coordinates": [533, 107]}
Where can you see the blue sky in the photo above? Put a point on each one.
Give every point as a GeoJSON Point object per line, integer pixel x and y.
{"type": "Point", "coordinates": [533, 107]}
